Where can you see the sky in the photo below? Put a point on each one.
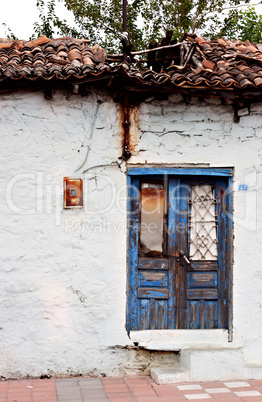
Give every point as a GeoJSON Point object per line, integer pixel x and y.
{"type": "Point", "coordinates": [19, 16]}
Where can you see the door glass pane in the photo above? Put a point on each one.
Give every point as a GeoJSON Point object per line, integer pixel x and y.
{"type": "Point", "coordinates": [203, 223]}
{"type": "Point", "coordinates": [152, 219]}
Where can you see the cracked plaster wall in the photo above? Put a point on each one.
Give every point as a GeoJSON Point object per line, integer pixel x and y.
{"type": "Point", "coordinates": [63, 272]}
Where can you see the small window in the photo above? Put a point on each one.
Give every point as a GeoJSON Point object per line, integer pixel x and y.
{"type": "Point", "coordinates": [203, 223]}
{"type": "Point", "coordinates": [152, 218]}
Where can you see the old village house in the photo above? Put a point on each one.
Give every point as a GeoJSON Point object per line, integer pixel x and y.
{"type": "Point", "coordinates": [159, 268]}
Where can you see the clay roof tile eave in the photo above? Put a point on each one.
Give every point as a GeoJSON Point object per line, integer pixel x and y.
{"type": "Point", "coordinates": [225, 64]}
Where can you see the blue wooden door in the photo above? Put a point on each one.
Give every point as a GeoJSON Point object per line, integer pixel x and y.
{"type": "Point", "coordinates": [178, 254]}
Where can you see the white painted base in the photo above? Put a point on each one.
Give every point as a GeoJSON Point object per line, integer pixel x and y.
{"type": "Point", "coordinates": [205, 365]}
{"type": "Point", "coordinates": [183, 339]}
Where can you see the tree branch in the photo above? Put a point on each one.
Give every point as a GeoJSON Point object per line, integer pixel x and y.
{"type": "Point", "coordinates": [223, 9]}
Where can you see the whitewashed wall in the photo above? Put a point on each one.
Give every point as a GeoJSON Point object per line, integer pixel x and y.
{"type": "Point", "coordinates": [63, 273]}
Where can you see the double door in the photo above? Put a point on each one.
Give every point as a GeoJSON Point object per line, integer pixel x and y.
{"type": "Point", "coordinates": [179, 252]}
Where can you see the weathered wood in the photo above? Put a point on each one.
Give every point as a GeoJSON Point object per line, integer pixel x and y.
{"type": "Point", "coordinates": [183, 246]}
{"type": "Point", "coordinates": [147, 50]}
{"type": "Point", "coordinates": [152, 293]}
{"type": "Point", "coordinates": [172, 250]}
{"type": "Point", "coordinates": [153, 278]}
{"type": "Point", "coordinates": [222, 257]}
{"type": "Point", "coordinates": [192, 295]}
{"type": "Point", "coordinates": [203, 266]}
{"type": "Point", "coordinates": [132, 255]}
{"type": "Point", "coordinates": [202, 315]}
{"type": "Point", "coordinates": [198, 294]}
{"type": "Point", "coordinates": [202, 280]}
{"type": "Point", "coordinates": [153, 263]}
{"type": "Point", "coordinates": [211, 315]}
{"type": "Point", "coordinates": [162, 53]}
{"type": "Point", "coordinates": [152, 55]}
{"type": "Point", "coordinates": [152, 323]}
{"type": "Point", "coordinates": [144, 314]}
{"type": "Point", "coordinates": [192, 316]}
{"type": "Point", "coordinates": [229, 262]}
{"type": "Point", "coordinates": [161, 315]}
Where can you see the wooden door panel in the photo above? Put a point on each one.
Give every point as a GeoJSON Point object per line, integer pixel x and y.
{"type": "Point", "coordinates": [202, 314]}
{"type": "Point", "coordinates": [153, 278]}
{"type": "Point", "coordinates": [203, 266]}
{"type": "Point", "coordinates": [161, 314]}
{"type": "Point", "coordinates": [202, 294]}
{"type": "Point", "coordinates": [202, 280]}
{"type": "Point", "coordinates": [211, 321]}
{"type": "Point", "coordinates": [144, 308]}
{"type": "Point", "coordinates": [152, 293]}
{"type": "Point", "coordinates": [156, 263]}
{"type": "Point", "coordinates": [192, 315]}
{"type": "Point", "coordinates": [152, 314]}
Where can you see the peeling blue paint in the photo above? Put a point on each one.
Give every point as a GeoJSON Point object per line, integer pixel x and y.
{"type": "Point", "coordinates": [167, 292]}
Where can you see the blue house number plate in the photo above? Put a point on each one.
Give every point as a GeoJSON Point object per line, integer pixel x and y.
{"type": "Point", "coordinates": [242, 187]}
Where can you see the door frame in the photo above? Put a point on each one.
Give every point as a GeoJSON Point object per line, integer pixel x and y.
{"type": "Point", "coordinates": [133, 175]}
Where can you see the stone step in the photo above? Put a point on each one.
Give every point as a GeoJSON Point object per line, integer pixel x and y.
{"type": "Point", "coordinates": [169, 375]}
{"type": "Point", "coordinates": [204, 365]}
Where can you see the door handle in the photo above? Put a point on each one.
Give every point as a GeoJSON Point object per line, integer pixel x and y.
{"type": "Point", "coordinates": [183, 255]}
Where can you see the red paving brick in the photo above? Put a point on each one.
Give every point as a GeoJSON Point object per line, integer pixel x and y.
{"type": "Point", "coordinates": [137, 381]}
{"type": "Point", "coordinates": [123, 394]}
{"type": "Point", "coordinates": [116, 386]}
{"type": "Point", "coordinates": [170, 394]}
{"type": "Point", "coordinates": [28, 391]}
{"type": "Point", "coordinates": [167, 391]}
{"type": "Point", "coordinates": [255, 382]}
{"type": "Point", "coordinates": [125, 390]}
{"type": "Point", "coordinates": [110, 387]}
{"type": "Point", "coordinates": [147, 399]}
{"type": "Point", "coordinates": [139, 394]}
{"type": "Point", "coordinates": [142, 389]}
{"type": "Point", "coordinates": [172, 398]}
{"type": "Point", "coordinates": [258, 387]}
{"type": "Point", "coordinates": [226, 397]}
{"type": "Point", "coordinates": [112, 380]}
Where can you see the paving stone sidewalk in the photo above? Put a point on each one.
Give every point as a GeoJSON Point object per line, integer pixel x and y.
{"type": "Point", "coordinates": [140, 389]}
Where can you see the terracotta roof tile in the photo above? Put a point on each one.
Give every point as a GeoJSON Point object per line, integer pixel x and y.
{"type": "Point", "coordinates": [216, 64]}
{"type": "Point", "coordinates": [258, 81]}
{"type": "Point", "coordinates": [37, 42]}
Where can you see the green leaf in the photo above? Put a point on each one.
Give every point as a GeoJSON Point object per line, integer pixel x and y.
{"type": "Point", "coordinates": [101, 20]}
